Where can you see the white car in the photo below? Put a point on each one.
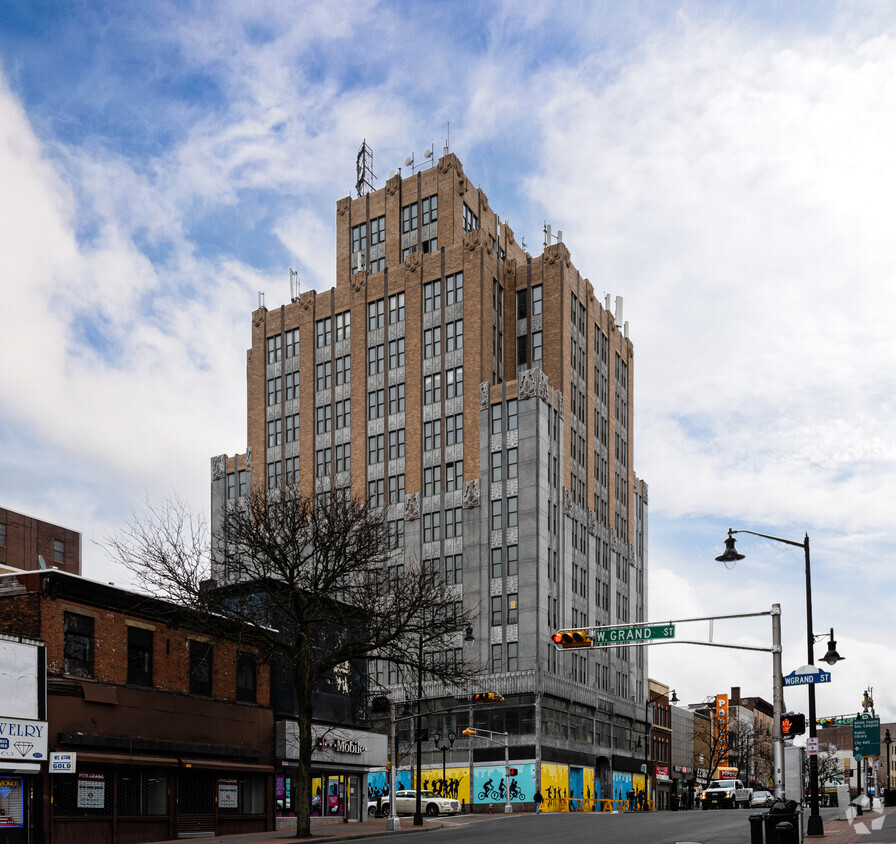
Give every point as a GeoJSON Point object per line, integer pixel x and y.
{"type": "Point", "coordinates": [406, 804]}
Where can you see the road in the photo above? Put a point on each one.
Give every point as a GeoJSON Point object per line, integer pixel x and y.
{"type": "Point", "coordinates": [627, 828]}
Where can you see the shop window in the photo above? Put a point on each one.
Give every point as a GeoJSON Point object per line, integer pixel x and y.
{"type": "Point", "coordinates": [78, 644]}
{"type": "Point", "coordinates": [142, 792]}
{"type": "Point", "coordinates": [246, 674]}
{"type": "Point", "coordinates": [241, 794]}
{"type": "Point", "coordinates": [139, 657]}
{"type": "Point", "coordinates": [200, 668]}
{"type": "Point", "coordinates": [87, 793]}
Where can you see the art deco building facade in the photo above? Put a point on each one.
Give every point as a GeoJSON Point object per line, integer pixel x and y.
{"type": "Point", "coordinates": [484, 396]}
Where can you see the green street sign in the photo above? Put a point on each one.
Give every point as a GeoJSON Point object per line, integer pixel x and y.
{"type": "Point", "coordinates": [866, 737]}
{"type": "Point", "coordinates": [639, 633]}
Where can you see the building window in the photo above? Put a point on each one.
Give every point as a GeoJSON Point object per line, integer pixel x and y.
{"type": "Point", "coordinates": [343, 325]}
{"type": "Point", "coordinates": [324, 418]}
{"type": "Point", "coordinates": [497, 610]}
{"type": "Point", "coordinates": [454, 289]}
{"type": "Point", "coordinates": [78, 644]}
{"type": "Point", "coordinates": [454, 429]}
{"type": "Point", "coordinates": [359, 238]}
{"type": "Point", "coordinates": [512, 608]}
{"type": "Point", "coordinates": [376, 359]}
{"type": "Point", "coordinates": [324, 331]}
{"type": "Point", "coordinates": [430, 209]}
{"type": "Point", "coordinates": [512, 656]}
{"type": "Point", "coordinates": [344, 458]}
{"type": "Point", "coordinates": [231, 485]}
{"type": "Point", "coordinates": [396, 489]}
{"type": "Point", "coordinates": [496, 509]}
{"type": "Point", "coordinates": [512, 511]}
{"type": "Point", "coordinates": [432, 480]}
{"type": "Point", "coordinates": [396, 308]}
{"type": "Point", "coordinates": [344, 413]}
{"type": "Point", "coordinates": [200, 668]}
{"type": "Point", "coordinates": [323, 375]}
{"type": "Point", "coordinates": [292, 470]}
{"type": "Point", "coordinates": [377, 230]}
{"type": "Point", "coordinates": [292, 343]}
{"type": "Point", "coordinates": [454, 336]}
{"type": "Point", "coordinates": [432, 527]}
{"type": "Point", "coordinates": [432, 296]}
{"type": "Point", "coordinates": [274, 391]}
{"type": "Point", "coordinates": [409, 218]}
{"type": "Point", "coordinates": [511, 414]}
{"type": "Point", "coordinates": [343, 370]}
{"type": "Point", "coordinates": [396, 398]}
{"type": "Point", "coordinates": [537, 293]}
{"type": "Point", "coordinates": [140, 792]}
{"type": "Point", "coordinates": [246, 677]}
{"type": "Point", "coordinates": [432, 342]}
{"type": "Point", "coordinates": [454, 569]}
{"type": "Point", "coordinates": [396, 353]}
{"type": "Point", "coordinates": [242, 482]}
{"type": "Point", "coordinates": [396, 443]}
{"type": "Point", "coordinates": [139, 656]}
{"type": "Point", "coordinates": [454, 476]}
{"type": "Point", "coordinates": [274, 428]}
{"type": "Point", "coordinates": [376, 492]}
{"type": "Point", "coordinates": [274, 477]}
{"type": "Point", "coordinates": [292, 385]}
{"type": "Point", "coordinates": [432, 435]}
{"type": "Point", "coordinates": [273, 348]}
{"type": "Point", "coordinates": [497, 419]}
{"type": "Point", "coordinates": [376, 404]}
{"type": "Point", "coordinates": [511, 463]}
{"type": "Point", "coordinates": [496, 562]}
{"type": "Point", "coordinates": [58, 551]}
{"type": "Point", "coordinates": [536, 346]}
{"type": "Point", "coordinates": [454, 383]}
{"type": "Point", "coordinates": [2, 534]}
{"type": "Point", "coordinates": [522, 301]}
{"type": "Point", "coordinates": [497, 473]}
{"type": "Point", "coordinates": [376, 313]}
{"type": "Point", "coordinates": [323, 462]}
{"type": "Point", "coordinates": [512, 560]}
{"type": "Point", "coordinates": [471, 221]}
{"type": "Point", "coordinates": [454, 524]}
{"type": "Point", "coordinates": [496, 658]}
{"type": "Point", "coordinates": [376, 448]}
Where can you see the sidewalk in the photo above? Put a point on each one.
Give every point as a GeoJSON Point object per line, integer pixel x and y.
{"type": "Point", "coordinates": [871, 826]}
{"type": "Point", "coordinates": [322, 829]}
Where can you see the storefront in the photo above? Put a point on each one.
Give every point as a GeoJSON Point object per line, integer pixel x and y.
{"type": "Point", "coordinates": [340, 764]}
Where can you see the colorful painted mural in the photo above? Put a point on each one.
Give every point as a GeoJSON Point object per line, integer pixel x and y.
{"type": "Point", "coordinates": [489, 784]}
{"type": "Point", "coordinates": [622, 785]}
{"type": "Point", "coordinates": [554, 787]}
{"type": "Point", "coordinates": [456, 784]}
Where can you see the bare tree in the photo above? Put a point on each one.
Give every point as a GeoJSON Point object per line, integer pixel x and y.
{"type": "Point", "coordinates": [311, 579]}
{"type": "Point", "coordinates": [830, 767]}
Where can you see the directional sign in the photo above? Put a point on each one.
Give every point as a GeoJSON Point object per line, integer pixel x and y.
{"type": "Point", "coordinates": [866, 737]}
{"type": "Point", "coordinates": [805, 675]}
{"type": "Point", "coordinates": [633, 634]}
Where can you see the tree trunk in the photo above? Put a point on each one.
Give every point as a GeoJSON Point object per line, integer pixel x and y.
{"type": "Point", "coordinates": [303, 774]}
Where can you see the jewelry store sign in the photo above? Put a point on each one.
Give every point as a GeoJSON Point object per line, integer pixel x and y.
{"type": "Point", "coordinates": [22, 740]}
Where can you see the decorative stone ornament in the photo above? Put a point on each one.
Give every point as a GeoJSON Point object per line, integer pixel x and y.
{"type": "Point", "coordinates": [412, 262]}
{"type": "Point", "coordinates": [484, 395]}
{"type": "Point", "coordinates": [218, 467]}
{"type": "Point", "coordinates": [412, 507]}
{"type": "Point", "coordinates": [359, 281]}
{"type": "Point", "coordinates": [527, 385]}
{"type": "Point", "coordinates": [249, 459]}
{"type": "Point", "coordinates": [306, 300]}
{"type": "Point", "coordinates": [258, 316]}
{"type": "Point", "coordinates": [343, 205]}
{"type": "Point", "coordinates": [393, 184]}
{"type": "Point", "coordinates": [471, 494]}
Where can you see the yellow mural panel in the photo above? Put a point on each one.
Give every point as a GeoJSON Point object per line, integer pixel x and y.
{"type": "Point", "coordinates": [554, 787]}
{"type": "Point", "coordinates": [456, 784]}
{"type": "Point", "coordinates": [588, 779]}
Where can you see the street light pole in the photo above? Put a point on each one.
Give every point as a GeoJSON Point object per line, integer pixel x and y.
{"type": "Point", "coordinates": [815, 825]}
{"type": "Point", "coordinates": [888, 741]}
{"type": "Point", "coordinates": [418, 813]}
{"type": "Point", "coordinates": [444, 748]}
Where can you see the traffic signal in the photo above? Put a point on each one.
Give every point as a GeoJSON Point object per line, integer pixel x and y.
{"type": "Point", "coordinates": [468, 732]}
{"type": "Point", "coordinates": [488, 697]}
{"type": "Point", "coordinates": [793, 724]}
{"type": "Point", "coordinates": [512, 772]}
{"type": "Point", "coordinates": [826, 722]}
{"type": "Point", "coordinates": [573, 639]}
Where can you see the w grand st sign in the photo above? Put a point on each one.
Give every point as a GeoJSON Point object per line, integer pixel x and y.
{"type": "Point", "coordinates": [632, 634]}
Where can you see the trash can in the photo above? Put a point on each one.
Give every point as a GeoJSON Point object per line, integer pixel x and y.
{"type": "Point", "coordinates": [782, 810]}
{"type": "Point", "coordinates": [890, 797]}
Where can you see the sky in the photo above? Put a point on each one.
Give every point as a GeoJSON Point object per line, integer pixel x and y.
{"type": "Point", "coordinates": [726, 168]}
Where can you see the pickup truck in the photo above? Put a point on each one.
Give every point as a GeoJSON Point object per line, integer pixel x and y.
{"type": "Point", "coordinates": [726, 794]}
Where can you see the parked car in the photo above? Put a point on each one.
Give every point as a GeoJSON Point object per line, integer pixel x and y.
{"type": "Point", "coordinates": [406, 804]}
{"type": "Point", "coordinates": [762, 799]}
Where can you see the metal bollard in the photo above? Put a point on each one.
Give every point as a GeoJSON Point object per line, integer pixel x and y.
{"type": "Point", "coordinates": [756, 836]}
{"type": "Point", "coordinates": [785, 833]}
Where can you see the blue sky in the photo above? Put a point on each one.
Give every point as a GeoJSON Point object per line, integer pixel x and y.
{"type": "Point", "coordinates": [726, 168]}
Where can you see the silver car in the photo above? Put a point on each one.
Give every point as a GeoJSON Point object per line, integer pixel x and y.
{"type": "Point", "coordinates": [762, 799]}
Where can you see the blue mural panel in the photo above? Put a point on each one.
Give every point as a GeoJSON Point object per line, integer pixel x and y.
{"type": "Point", "coordinates": [489, 785]}
{"type": "Point", "coordinates": [377, 783]}
{"type": "Point", "coordinates": [403, 780]}
{"type": "Point", "coordinates": [622, 785]}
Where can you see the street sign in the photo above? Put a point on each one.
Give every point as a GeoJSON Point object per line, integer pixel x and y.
{"type": "Point", "coordinates": [812, 746]}
{"type": "Point", "coordinates": [62, 763]}
{"type": "Point", "coordinates": [866, 736]}
{"type": "Point", "coordinates": [806, 675]}
{"type": "Point", "coordinates": [632, 634]}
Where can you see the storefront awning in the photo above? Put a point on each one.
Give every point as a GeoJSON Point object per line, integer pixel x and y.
{"type": "Point", "coordinates": [125, 759]}
{"type": "Point", "coordinates": [213, 764]}
{"type": "Point", "coordinates": [20, 767]}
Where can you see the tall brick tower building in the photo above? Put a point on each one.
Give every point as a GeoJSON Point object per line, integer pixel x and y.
{"type": "Point", "coordinates": [484, 396]}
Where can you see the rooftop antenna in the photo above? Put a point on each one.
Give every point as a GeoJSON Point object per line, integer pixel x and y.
{"type": "Point", "coordinates": [549, 237]}
{"type": "Point", "coordinates": [364, 170]}
{"type": "Point", "coordinates": [294, 285]}
{"type": "Point", "coordinates": [260, 299]}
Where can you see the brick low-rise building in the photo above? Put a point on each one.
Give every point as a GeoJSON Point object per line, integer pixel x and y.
{"type": "Point", "coordinates": [29, 543]}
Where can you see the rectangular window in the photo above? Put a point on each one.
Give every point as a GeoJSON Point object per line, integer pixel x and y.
{"type": "Point", "coordinates": [522, 303]}
{"type": "Point", "coordinates": [246, 674]}
{"type": "Point", "coordinates": [430, 209]}
{"type": "Point", "coordinates": [454, 429]}
{"type": "Point", "coordinates": [243, 482]}
{"type": "Point", "coordinates": [292, 470]}
{"type": "Point", "coordinates": [292, 428]}
{"type": "Point", "coordinates": [537, 293]}
{"type": "Point", "coordinates": [454, 476]}
{"type": "Point", "coordinates": [78, 644]}
{"type": "Point", "coordinates": [537, 351]}
{"type": "Point", "coordinates": [454, 336]}
{"type": "Point", "coordinates": [512, 610]}
{"type": "Point", "coordinates": [497, 467]}
{"type": "Point", "coordinates": [344, 458]}
{"type": "Point", "coordinates": [454, 289]}
{"type": "Point", "coordinates": [432, 527]}
{"type": "Point", "coordinates": [377, 265]}
{"type": "Point", "coordinates": [231, 485]}
{"type": "Point", "coordinates": [140, 792]}
{"type": "Point", "coordinates": [58, 551]}
{"type": "Point", "coordinates": [274, 391]}
{"type": "Point", "coordinates": [432, 296]}
{"type": "Point", "coordinates": [376, 448]}
{"type": "Point", "coordinates": [323, 462]}
{"type": "Point", "coordinates": [454, 524]}
{"type": "Point", "coordinates": [344, 369]}
{"type": "Point", "coordinates": [511, 414]}
{"type": "Point", "coordinates": [376, 314]}
{"type": "Point", "coordinates": [396, 308]}
{"type": "Point", "coordinates": [396, 443]}
{"type": "Point", "coordinates": [324, 331]}
{"type": "Point", "coordinates": [396, 489]}
{"type": "Point", "coordinates": [323, 375]}
{"type": "Point", "coordinates": [396, 353]}
{"type": "Point", "coordinates": [471, 221]}
{"type": "Point", "coordinates": [292, 343]}
{"type": "Point", "coordinates": [344, 325]}
{"type": "Point", "coordinates": [409, 218]}
{"type": "Point", "coordinates": [376, 492]}
{"type": "Point", "coordinates": [274, 426]}
{"type": "Point", "coordinates": [454, 383]}
{"type": "Point", "coordinates": [273, 348]}
{"type": "Point", "coordinates": [139, 656]}
{"type": "Point", "coordinates": [200, 668]}
{"type": "Point", "coordinates": [496, 658]}
{"type": "Point", "coordinates": [396, 398]}
{"type": "Point", "coordinates": [432, 388]}
{"type": "Point", "coordinates": [376, 359]}
{"type": "Point", "coordinates": [511, 462]}
{"type": "Point", "coordinates": [2, 535]}
{"type": "Point", "coordinates": [432, 342]}
{"type": "Point", "coordinates": [497, 567]}
{"type": "Point", "coordinates": [377, 230]}
{"type": "Point", "coordinates": [512, 561]}
{"type": "Point", "coordinates": [324, 417]}
{"type": "Point", "coordinates": [292, 385]}
{"type": "Point", "coordinates": [497, 419]}
{"type": "Point", "coordinates": [497, 513]}
{"type": "Point", "coordinates": [497, 603]}
{"type": "Point", "coordinates": [376, 404]}
{"type": "Point", "coordinates": [432, 435]}
{"type": "Point", "coordinates": [454, 569]}
{"type": "Point", "coordinates": [274, 474]}
{"type": "Point", "coordinates": [512, 513]}
{"type": "Point", "coordinates": [359, 238]}
{"type": "Point", "coordinates": [432, 480]}
{"type": "Point", "coordinates": [344, 413]}
{"type": "Point", "coordinates": [513, 661]}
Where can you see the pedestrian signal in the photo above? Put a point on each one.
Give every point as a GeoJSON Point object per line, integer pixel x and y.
{"type": "Point", "coordinates": [512, 772]}
{"type": "Point", "coordinates": [793, 724]}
